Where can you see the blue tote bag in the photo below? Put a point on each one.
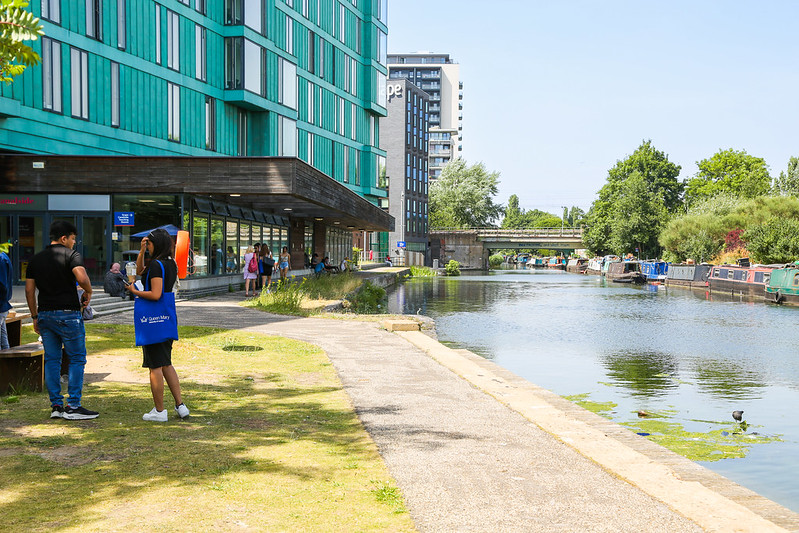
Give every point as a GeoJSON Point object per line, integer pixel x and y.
{"type": "Point", "coordinates": [155, 320]}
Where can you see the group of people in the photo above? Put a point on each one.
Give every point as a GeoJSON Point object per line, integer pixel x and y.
{"type": "Point", "coordinates": [326, 266]}
{"type": "Point", "coordinates": [55, 308]}
{"type": "Point", "coordinates": [259, 265]}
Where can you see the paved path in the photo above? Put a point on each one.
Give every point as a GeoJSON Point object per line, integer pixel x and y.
{"type": "Point", "coordinates": [464, 460]}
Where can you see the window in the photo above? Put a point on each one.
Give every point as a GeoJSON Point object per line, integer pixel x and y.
{"type": "Point", "coordinates": [200, 53]}
{"type": "Point", "coordinates": [311, 51]}
{"type": "Point", "coordinates": [358, 35]}
{"type": "Point", "coordinates": [199, 5]}
{"type": "Point", "coordinates": [115, 94]}
{"type": "Point", "coordinates": [80, 83]}
{"type": "Point", "coordinates": [185, 2]}
{"type": "Point", "coordinates": [321, 71]}
{"type": "Point", "coordinates": [354, 77]}
{"type": "Point", "coordinates": [381, 47]}
{"type": "Point", "coordinates": [253, 16]}
{"type": "Point", "coordinates": [51, 10]}
{"type": "Point", "coordinates": [234, 62]}
{"type": "Point", "coordinates": [357, 169]}
{"type": "Point", "coordinates": [341, 21]}
{"type": "Point", "coordinates": [94, 19]}
{"type": "Point", "coordinates": [173, 40]}
{"type": "Point", "coordinates": [51, 75]}
{"type": "Point", "coordinates": [233, 11]}
{"type": "Point", "coordinates": [287, 137]}
{"type": "Point", "coordinates": [174, 112]}
{"type": "Point", "coordinates": [241, 127]}
{"type": "Point", "coordinates": [289, 35]}
{"type": "Point", "coordinates": [310, 148]}
{"type": "Point", "coordinates": [347, 77]}
{"type": "Point", "coordinates": [340, 117]}
{"type": "Point", "coordinates": [352, 121]}
{"type": "Point", "coordinates": [158, 57]}
{"type": "Point", "coordinates": [346, 164]}
{"type": "Point", "coordinates": [210, 123]}
{"type": "Point", "coordinates": [310, 106]}
{"type": "Point", "coordinates": [252, 67]}
{"type": "Point", "coordinates": [287, 84]}
{"type": "Point", "coordinates": [122, 32]}
{"type": "Point", "coordinates": [305, 8]}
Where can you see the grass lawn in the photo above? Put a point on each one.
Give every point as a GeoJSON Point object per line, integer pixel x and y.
{"type": "Point", "coordinates": [272, 444]}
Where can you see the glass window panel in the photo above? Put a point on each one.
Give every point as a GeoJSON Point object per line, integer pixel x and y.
{"type": "Point", "coordinates": [232, 243]}
{"type": "Point", "coordinates": [252, 67]}
{"type": "Point", "coordinates": [114, 94]}
{"type": "Point", "coordinates": [122, 32]}
{"type": "Point", "coordinates": [253, 15]}
{"type": "Point", "coordinates": [199, 243]}
{"type": "Point", "coordinates": [245, 240]}
{"type": "Point", "coordinates": [217, 256]}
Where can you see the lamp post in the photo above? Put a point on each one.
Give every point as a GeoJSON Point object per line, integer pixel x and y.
{"type": "Point", "coordinates": [562, 219]}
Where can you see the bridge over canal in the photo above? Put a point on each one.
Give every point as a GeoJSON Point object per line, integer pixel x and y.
{"type": "Point", "coordinates": [472, 247]}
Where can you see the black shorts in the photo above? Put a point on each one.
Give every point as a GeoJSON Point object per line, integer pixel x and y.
{"type": "Point", "coordinates": [157, 355]}
{"type": "Point", "coordinates": [267, 270]}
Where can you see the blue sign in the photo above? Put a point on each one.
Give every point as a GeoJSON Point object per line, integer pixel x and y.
{"type": "Point", "coordinates": [123, 218]}
{"type": "Point", "coordinates": [400, 244]}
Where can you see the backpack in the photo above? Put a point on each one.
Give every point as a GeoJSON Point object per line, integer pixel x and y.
{"type": "Point", "coordinates": [253, 264]}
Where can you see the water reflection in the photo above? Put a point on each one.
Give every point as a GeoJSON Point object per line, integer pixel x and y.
{"type": "Point", "coordinates": [728, 380]}
{"type": "Point", "coordinates": [648, 374]}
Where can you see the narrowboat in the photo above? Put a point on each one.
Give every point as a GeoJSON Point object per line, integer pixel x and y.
{"type": "Point", "coordinates": [783, 285]}
{"type": "Point", "coordinates": [607, 261]}
{"type": "Point", "coordinates": [556, 263]}
{"type": "Point", "coordinates": [625, 272]}
{"type": "Point", "coordinates": [594, 266]}
{"type": "Point", "coordinates": [537, 262]}
{"type": "Point", "coordinates": [578, 266]}
{"type": "Point", "coordinates": [688, 275]}
{"type": "Point", "coordinates": [740, 280]}
{"type": "Point", "coordinates": [654, 271]}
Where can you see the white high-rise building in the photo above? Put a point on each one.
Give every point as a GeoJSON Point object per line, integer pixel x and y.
{"type": "Point", "coordinates": [437, 75]}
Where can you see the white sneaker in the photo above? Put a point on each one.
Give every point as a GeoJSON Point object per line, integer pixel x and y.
{"type": "Point", "coordinates": [182, 410]}
{"type": "Point", "coordinates": [155, 416]}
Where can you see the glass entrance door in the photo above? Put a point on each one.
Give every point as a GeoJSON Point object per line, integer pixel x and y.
{"type": "Point", "coordinates": [30, 241]}
{"type": "Point", "coordinates": [91, 242]}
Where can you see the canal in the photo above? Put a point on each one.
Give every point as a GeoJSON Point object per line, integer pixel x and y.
{"type": "Point", "coordinates": [684, 359]}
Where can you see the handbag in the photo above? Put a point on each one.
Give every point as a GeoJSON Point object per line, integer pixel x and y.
{"type": "Point", "coordinates": [269, 261]}
{"type": "Point", "coordinates": [155, 321]}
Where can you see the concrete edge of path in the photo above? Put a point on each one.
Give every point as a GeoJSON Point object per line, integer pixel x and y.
{"type": "Point", "coordinates": [712, 501]}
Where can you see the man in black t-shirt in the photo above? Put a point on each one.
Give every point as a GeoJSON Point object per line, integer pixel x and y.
{"type": "Point", "coordinates": [57, 316]}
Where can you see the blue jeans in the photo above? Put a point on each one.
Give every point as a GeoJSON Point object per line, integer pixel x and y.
{"type": "Point", "coordinates": [63, 328]}
{"type": "Point", "coordinates": [3, 331]}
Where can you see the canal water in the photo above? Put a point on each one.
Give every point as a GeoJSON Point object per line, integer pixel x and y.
{"type": "Point", "coordinates": [679, 355]}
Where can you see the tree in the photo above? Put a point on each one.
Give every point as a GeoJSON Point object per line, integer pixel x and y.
{"type": "Point", "coordinates": [518, 218]}
{"type": "Point", "coordinates": [463, 196]}
{"type": "Point", "coordinates": [729, 171]}
{"type": "Point", "coordinates": [638, 215]}
{"type": "Point", "coordinates": [787, 184]}
{"type": "Point", "coordinates": [17, 26]}
{"type": "Point", "coordinates": [656, 177]}
{"type": "Point", "coordinates": [658, 172]}
{"type": "Point", "coordinates": [774, 241]}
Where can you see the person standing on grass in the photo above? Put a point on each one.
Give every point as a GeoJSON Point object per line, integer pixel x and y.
{"type": "Point", "coordinates": [57, 316]}
{"type": "Point", "coordinates": [283, 265]}
{"type": "Point", "coordinates": [161, 274]}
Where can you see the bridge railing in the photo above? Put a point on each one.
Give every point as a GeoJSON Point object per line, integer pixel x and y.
{"type": "Point", "coordinates": [519, 233]}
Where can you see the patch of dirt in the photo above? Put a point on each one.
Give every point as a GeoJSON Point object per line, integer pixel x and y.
{"type": "Point", "coordinates": [68, 455]}
{"type": "Point", "coordinates": [103, 367]}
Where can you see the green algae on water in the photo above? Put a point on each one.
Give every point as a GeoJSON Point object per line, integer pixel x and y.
{"type": "Point", "coordinates": [713, 445]}
{"type": "Point", "coordinates": [600, 408]}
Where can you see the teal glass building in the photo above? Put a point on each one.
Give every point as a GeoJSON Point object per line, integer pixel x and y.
{"type": "Point", "coordinates": [303, 79]}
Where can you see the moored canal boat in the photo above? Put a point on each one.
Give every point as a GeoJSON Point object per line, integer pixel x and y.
{"type": "Point", "coordinates": [537, 262]}
{"type": "Point", "coordinates": [556, 263]}
{"type": "Point", "coordinates": [688, 275]}
{"type": "Point", "coordinates": [607, 261]}
{"type": "Point", "coordinates": [594, 266]}
{"type": "Point", "coordinates": [740, 280]}
{"type": "Point", "coordinates": [578, 265]}
{"type": "Point", "coordinates": [654, 271]}
{"type": "Point", "coordinates": [783, 285]}
{"type": "Point", "coordinates": [625, 272]}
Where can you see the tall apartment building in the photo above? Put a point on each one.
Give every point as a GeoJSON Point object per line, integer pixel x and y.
{"type": "Point", "coordinates": [405, 138]}
{"type": "Point", "coordinates": [438, 75]}
{"type": "Point", "coordinates": [277, 101]}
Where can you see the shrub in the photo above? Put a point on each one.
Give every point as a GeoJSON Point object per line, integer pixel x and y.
{"type": "Point", "coordinates": [495, 260]}
{"type": "Point", "coordinates": [369, 299]}
{"type": "Point", "coordinates": [422, 272]}
{"type": "Point", "coordinates": [453, 268]}
{"type": "Point", "coordinates": [284, 299]}
{"type": "Point", "coordinates": [774, 241]}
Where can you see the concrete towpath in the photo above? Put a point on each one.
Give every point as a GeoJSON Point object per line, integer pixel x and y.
{"type": "Point", "coordinates": [475, 448]}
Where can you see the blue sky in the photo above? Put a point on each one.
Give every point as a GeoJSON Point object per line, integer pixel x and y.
{"type": "Point", "coordinates": [555, 92]}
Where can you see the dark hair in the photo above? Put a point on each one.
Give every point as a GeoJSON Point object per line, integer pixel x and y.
{"type": "Point", "coordinates": [162, 244]}
{"type": "Point", "coordinates": [62, 228]}
{"type": "Point", "coordinates": [264, 250]}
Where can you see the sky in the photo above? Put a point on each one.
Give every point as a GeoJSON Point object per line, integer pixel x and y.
{"type": "Point", "coordinates": [556, 91]}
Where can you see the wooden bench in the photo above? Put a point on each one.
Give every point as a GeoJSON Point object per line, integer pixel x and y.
{"type": "Point", "coordinates": [22, 367]}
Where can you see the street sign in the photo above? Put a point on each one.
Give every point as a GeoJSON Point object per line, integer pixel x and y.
{"type": "Point", "coordinates": [400, 244]}
{"type": "Point", "coordinates": [123, 218]}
